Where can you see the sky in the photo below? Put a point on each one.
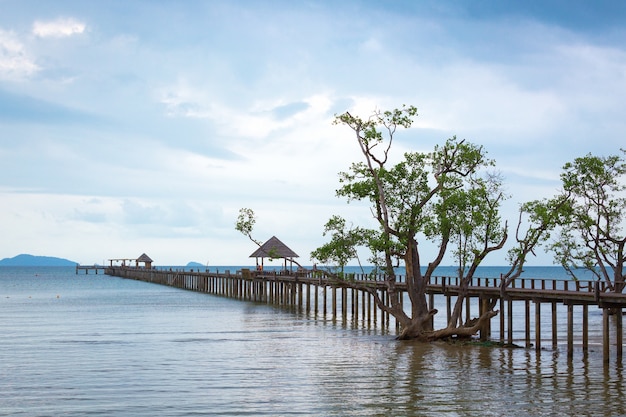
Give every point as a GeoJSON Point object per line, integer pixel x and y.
{"type": "Point", "coordinates": [144, 126]}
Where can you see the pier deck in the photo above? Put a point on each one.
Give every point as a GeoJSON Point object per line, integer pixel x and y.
{"type": "Point", "coordinates": [350, 299]}
{"type": "Point", "coordinates": [87, 268]}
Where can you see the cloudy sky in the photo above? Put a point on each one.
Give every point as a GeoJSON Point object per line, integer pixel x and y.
{"type": "Point", "coordinates": [144, 126]}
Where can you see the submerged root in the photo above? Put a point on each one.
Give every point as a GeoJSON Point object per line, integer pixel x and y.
{"type": "Point", "coordinates": [416, 331]}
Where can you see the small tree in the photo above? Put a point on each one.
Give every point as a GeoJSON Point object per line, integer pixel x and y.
{"type": "Point", "coordinates": [593, 237]}
{"type": "Point", "coordinates": [343, 243]}
{"type": "Point", "coordinates": [442, 197]}
{"type": "Point", "coordinates": [245, 225]}
{"type": "Point", "coordinates": [540, 218]}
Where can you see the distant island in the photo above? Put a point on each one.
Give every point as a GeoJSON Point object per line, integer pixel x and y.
{"type": "Point", "coordinates": [32, 260]}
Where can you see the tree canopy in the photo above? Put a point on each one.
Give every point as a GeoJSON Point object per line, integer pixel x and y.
{"type": "Point", "coordinates": [592, 237]}
{"type": "Point", "coordinates": [447, 197]}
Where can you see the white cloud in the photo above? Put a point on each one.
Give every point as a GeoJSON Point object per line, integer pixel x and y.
{"type": "Point", "coordinates": [15, 62]}
{"type": "Point", "coordinates": [196, 120]}
{"type": "Point", "coordinates": [60, 28]}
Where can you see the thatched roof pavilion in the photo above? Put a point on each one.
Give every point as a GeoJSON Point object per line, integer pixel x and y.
{"type": "Point", "coordinates": [273, 249]}
{"type": "Point", "coordinates": [145, 259]}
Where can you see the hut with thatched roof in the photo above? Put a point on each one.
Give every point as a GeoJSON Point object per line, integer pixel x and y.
{"type": "Point", "coordinates": [145, 259]}
{"type": "Point", "coordinates": [274, 249]}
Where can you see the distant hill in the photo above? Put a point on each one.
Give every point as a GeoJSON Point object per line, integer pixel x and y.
{"type": "Point", "coordinates": [195, 264]}
{"type": "Point", "coordinates": [31, 260]}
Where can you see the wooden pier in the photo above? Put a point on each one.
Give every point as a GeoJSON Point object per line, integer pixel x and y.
{"type": "Point", "coordinates": [88, 268]}
{"type": "Point", "coordinates": [326, 297]}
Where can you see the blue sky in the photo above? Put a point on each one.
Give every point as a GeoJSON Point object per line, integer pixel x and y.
{"type": "Point", "coordinates": [144, 126]}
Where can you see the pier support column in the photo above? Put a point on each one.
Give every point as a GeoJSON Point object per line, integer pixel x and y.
{"type": "Point", "coordinates": [585, 329]}
{"type": "Point", "coordinates": [537, 325]}
{"type": "Point", "coordinates": [485, 332]}
{"type": "Point", "coordinates": [570, 331]}
{"type": "Point", "coordinates": [554, 327]}
{"type": "Point", "coordinates": [502, 319]}
{"type": "Point", "coordinates": [605, 335]}
{"type": "Point", "coordinates": [527, 322]}
{"type": "Point", "coordinates": [510, 320]}
{"type": "Point", "coordinates": [619, 336]}
{"type": "Point", "coordinates": [375, 311]}
{"type": "Point", "coordinates": [308, 298]}
{"type": "Point", "coordinates": [344, 306]}
{"type": "Point", "coordinates": [363, 312]}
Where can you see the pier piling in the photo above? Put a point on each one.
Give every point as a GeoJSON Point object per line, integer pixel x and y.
{"type": "Point", "coordinates": [350, 303]}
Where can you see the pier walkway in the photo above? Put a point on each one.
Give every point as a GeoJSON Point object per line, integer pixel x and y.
{"type": "Point", "coordinates": [88, 268]}
{"type": "Point", "coordinates": [520, 305]}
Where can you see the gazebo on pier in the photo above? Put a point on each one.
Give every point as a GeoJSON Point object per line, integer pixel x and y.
{"type": "Point", "coordinates": [128, 262]}
{"type": "Point", "coordinates": [145, 259]}
{"type": "Point", "coordinates": [274, 249]}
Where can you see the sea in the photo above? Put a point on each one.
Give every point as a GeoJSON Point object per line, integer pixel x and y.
{"type": "Point", "coordinates": [94, 345]}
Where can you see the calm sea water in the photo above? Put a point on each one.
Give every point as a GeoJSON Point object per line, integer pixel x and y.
{"type": "Point", "coordinates": [89, 345]}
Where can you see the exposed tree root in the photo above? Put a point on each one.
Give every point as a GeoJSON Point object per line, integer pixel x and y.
{"type": "Point", "coordinates": [471, 328]}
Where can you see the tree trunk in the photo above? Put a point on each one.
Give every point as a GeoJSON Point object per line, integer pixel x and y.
{"type": "Point", "coordinates": [420, 321]}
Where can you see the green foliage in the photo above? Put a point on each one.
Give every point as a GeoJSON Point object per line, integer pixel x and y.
{"type": "Point", "coordinates": [541, 218]}
{"type": "Point", "coordinates": [441, 195]}
{"type": "Point", "coordinates": [245, 223]}
{"type": "Point", "coordinates": [593, 237]}
{"type": "Point", "coordinates": [343, 244]}
{"type": "Point", "coordinates": [469, 214]}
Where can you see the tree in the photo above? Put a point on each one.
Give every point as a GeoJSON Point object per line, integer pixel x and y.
{"type": "Point", "coordinates": [443, 197]}
{"type": "Point", "coordinates": [593, 237]}
{"type": "Point", "coordinates": [342, 246]}
{"type": "Point", "coordinates": [540, 218]}
{"type": "Point", "coordinates": [245, 225]}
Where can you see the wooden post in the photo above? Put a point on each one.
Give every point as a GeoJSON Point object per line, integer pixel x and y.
{"type": "Point", "coordinates": [619, 333]}
{"type": "Point", "coordinates": [510, 316]}
{"type": "Point", "coordinates": [585, 329]}
{"type": "Point", "coordinates": [375, 312]}
{"type": "Point", "coordinates": [554, 327]}
{"type": "Point", "coordinates": [537, 325]}
{"type": "Point", "coordinates": [344, 306]}
{"type": "Point", "coordinates": [570, 331]}
{"type": "Point", "coordinates": [485, 332]}
{"type": "Point", "coordinates": [502, 319]}
{"type": "Point", "coordinates": [527, 322]}
{"type": "Point", "coordinates": [363, 309]}
{"type": "Point", "coordinates": [605, 335]}
{"type": "Point", "coordinates": [387, 302]}
{"type": "Point", "coordinates": [369, 309]}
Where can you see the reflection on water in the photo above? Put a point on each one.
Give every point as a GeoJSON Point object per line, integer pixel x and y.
{"type": "Point", "coordinates": [105, 346]}
{"type": "Point", "coordinates": [439, 379]}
